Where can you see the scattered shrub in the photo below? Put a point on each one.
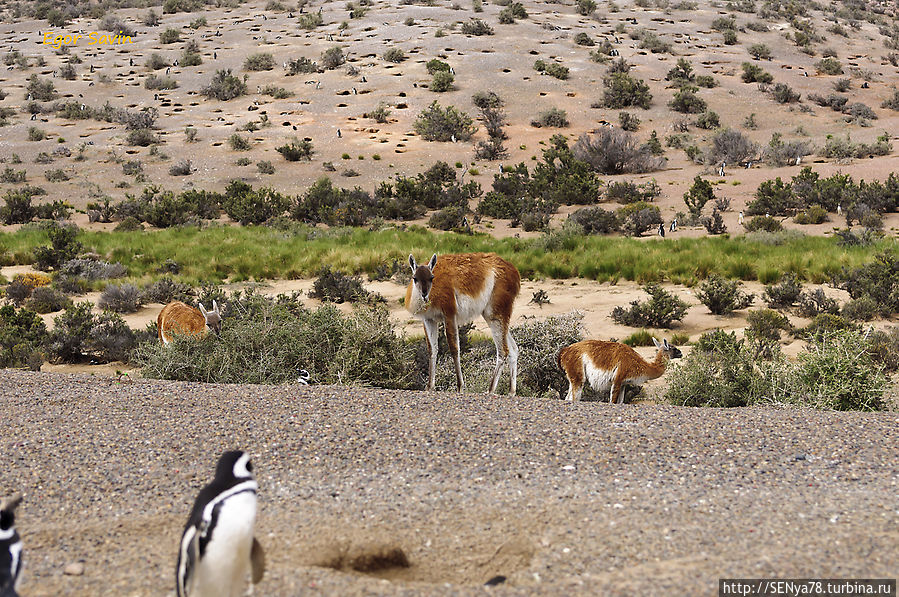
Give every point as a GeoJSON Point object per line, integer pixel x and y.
{"type": "Point", "coordinates": [699, 194]}
{"type": "Point", "coordinates": [708, 120]}
{"type": "Point", "coordinates": [121, 298]}
{"type": "Point", "coordinates": [660, 311]}
{"type": "Point", "coordinates": [759, 51]}
{"type": "Point", "coordinates": [613, 151]}
{"type": "Point", "coordinates": [170, 36]}
{"type": "Point", "coordinates": [155, 82]}
{"type": "Point", "coordinates": [246, 205]}
{"type": "Point", "coordinates": [23, 338]}
{"type": "Point", "coordinates": [63, 247]}
{"type": "Point", "coordinates": [595, 220]}
{"type": "Point", "coordinates": [554, 117]}
{"type": "Point", "coordinates": [166, 290]}
{"type": "Point", "coordinates": [784, 94]}
{"type": "Point", "coordinates": [259, 61]}
{"type": "Point", "coordinates": [829, 66]}
{"type": "Point", "coordinates": [296, 150]}
{"type": "Point", "coordinates": [686, 101]}
{"type": "Point", "coordinates": [442, 82]}
{"type": "Point", "coordinates": [624, 91]}
{"type": "Point", "coordinates": [784, 293]}
{"type": "Point", "coordinates": [395, 55]}
{"type": "Point", "coordinates": [435, 123]}
{"type": "Point", "coordinates": [47, 300]}
{"type": "Point", "coordinates": [723, 296]}
{"type": "Point", "coordinates": [812, 304]}
{"type": "Point", "coordinates": [333, 57]}
{"type": "Point", "coordinates": [301, 66]}
{"type": "Point", "coordinates": [225, 86]}
{"type": "Point", "coordinates": [755, 74]}
{"type": "Point", "coordinates": [476, 27]}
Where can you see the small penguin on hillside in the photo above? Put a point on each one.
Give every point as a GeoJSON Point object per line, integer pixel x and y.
{"type": "Point", "coordinates": [218, 547]}
{"type": "Point", "coordinates": [662, 229]}
{"type": "Point", "coordinates": [10, 548]}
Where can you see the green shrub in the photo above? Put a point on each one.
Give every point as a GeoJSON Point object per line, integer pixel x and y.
{"type": "Point", "coordinates": [18, 208]}
{"type": "Point", "coordinates": [763, 333]}
{"type": "Point", "coordinates": [623, 91]}
{"type": "Point", "coordinates": [814, 214]}
{"type": "Point", "coordinates": [837, 372]}
{"type": "Point", "coordinates": [435, 66]}
{"type": "Point", "coordinates": [498, 205]}
{"type": "Point", "coordinates": [336, 287]}
{"type": "Point", "coordinates": [773, 197]}
{"type": "Point", "coordinates": [259, 61]}
{"type": "Point", "coordinates": [47, 300]}
{"type": "Point", "coordinates": [476, 27]}
{"type": "Point", "coordinates": [166, 290]}
{"type": "Point", "coordinates": [638, 218]}
{"type": "Point", "coordinates": [784, 293]}
{"type": "Point", "coordinates": [154, 82]}
{"type": "Point", "coordinates": [784, 94]}
{"type": "Point", "coordinates": [660, 311]}
{"type": "Point", "coordinates": [759, 51]}
{"type": "Point", "coordinates": [170, 36]}
{"type": "Point", "coordinates": [448, 218]}
{"type": "Point", "coordinates": [755, 74]}
{"type": "Point", "coordinates": [333, 57]}
{"type": "Point", "coordinates": [700, 193]}
{"type": "Point", "coordinates": [723, 296]}
{"type": "Point", "coordinates": [586, 7]}
{"type": "Point", "coordinates": [442, 81]}
{"type": "Point", "coordinates": [877, 281]}
{"type": "Point", "coordinates": [141, 138]}
{"type": "Point", "coordinates": [553, 117]}
{"type": "Point", "coordinates": [763, 223]}
{"type": "Point", "coordinates": [722, 371]}
{"type": "Point", "coordinates": [268, 341]}
{"type": "Point", "coordinates": [435, 123]}
{"type": "Point", "coordinates": [246, 205]}
{"type": "Point", "coordinates": [301, 66]}
{"type": "Point", "coordinates": [614, 151]}
{"type": "Point", "coordinates": [40, 90]}
{"type": "Point", "coordinates": [595, 220]}
{"type": "Point", "coordinates": [708, 120]}
{"type": "Point", "coordinates": [225, 86]}
{"type": "Point", "coordinates": [296, 150]}
{"type": "Point", "coordinates": [156, 62]}
{"type": "Point", "coordinates": [707, 81]}
{"type": "Point", "coordinates": [829, 66]}
{"type": "Point", "coordinates": [812, 304]}
{"type": "Point", "coordinates": [239, 143]}
{"type": "Point", "coordinates": [63, 247]}
{"type": "Point", "coordinates": [23, 338]}
{"type": "Point", "coordinates": [395, 55]}
{"type": "Point", "coordinates": [78, 335]}
{"type": "Point", "coordinates": [685, 100]}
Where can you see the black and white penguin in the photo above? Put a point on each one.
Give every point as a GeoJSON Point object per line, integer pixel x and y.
{"type": "Point", "coordinates": [10, 549]}
{"type": "Point", "coordinates": [662, 229]}
{"type": "Point", "coordinates": [218, 548]}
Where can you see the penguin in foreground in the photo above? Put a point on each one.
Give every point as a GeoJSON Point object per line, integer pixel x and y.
{"type": "Point", "coordinates": [218, 548]}
{"type": "Point", "coordinates": [10, 548]}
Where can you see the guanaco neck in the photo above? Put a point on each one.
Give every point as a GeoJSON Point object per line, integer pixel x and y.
{"type": "Point", "coordinates": [657, 367]}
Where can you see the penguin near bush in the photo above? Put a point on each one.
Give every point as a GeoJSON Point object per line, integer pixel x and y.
{"type": "Point", "coordinates": [10, 548]}
{"type": "Point", "coordinates": [218, 547]}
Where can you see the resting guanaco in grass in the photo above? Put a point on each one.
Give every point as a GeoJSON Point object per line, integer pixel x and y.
{"type": "Point", "coordinates": [178, 318]}
{"type": "Point", "coordinates": [454, 290]}
{"type": "Point", "coordinates": [610, 366]}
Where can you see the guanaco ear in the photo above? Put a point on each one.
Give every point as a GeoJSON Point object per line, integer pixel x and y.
{"type": "Point", "coordinates": [412, 263]}
{"type": "Point", "coordinates": [656, 342]}
{"type": "Point", "coordinates": [202, 309]}
{"type": "Point", "coordinates": [215, 307]}
{"type": "Point", "coordinates": [665, 344]}
{"type": "Point", "coordinates": [432, 262]}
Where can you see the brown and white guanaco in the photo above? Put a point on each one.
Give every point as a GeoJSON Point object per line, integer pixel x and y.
{"type": "Point", "coordinates": [610, 366]}
{"type": "Point", "coordinates": [179, 318]}
{"type": "Point", "coordinates": [454, 290]}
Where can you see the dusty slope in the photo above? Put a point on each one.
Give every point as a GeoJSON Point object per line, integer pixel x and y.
{"type": "Point", "coordinates": [563, 499]}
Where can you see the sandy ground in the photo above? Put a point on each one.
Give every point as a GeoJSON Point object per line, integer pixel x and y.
{"type": "Point", "coordinates": [323, 103]}
{"type": "Point", "coordinates": [563, 499]}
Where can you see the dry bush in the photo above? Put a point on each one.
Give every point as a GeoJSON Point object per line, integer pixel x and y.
{"type": "Point", "coordinates": [613, 151]}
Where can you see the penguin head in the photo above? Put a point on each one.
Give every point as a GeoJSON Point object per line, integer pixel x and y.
{"type": "Point", "coordinates": [234, 465]}
{"type": "Point", "coordinates": [8, 512]}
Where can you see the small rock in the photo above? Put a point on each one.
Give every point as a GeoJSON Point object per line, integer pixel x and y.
{"type": "Point", "coordinates": [74, 569]}
{"type": "Point", "coordinates": [800, 456]}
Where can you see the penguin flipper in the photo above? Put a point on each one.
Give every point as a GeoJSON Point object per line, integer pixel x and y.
{"type": "Point", "coordinates": [187, 559]}
{"type": "Point", "coordinates": [257, 559]}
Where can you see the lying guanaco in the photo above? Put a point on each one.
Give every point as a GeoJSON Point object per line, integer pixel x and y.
{"type": "Point", "coordinates": [178, 318]}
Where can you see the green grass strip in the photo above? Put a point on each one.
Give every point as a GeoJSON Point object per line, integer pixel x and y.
{"type": "Point", "coordinates": [240, 253]}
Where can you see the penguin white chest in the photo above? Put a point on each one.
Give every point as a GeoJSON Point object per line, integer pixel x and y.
{"type": "Point", "coordinates": [225, 564]}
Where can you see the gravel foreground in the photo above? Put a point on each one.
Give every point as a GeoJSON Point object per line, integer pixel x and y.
{"type": "Point", "coordinates": [563, 499]}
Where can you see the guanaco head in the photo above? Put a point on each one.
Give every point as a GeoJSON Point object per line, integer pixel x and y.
{"type": "Point", "coordinates": [669, 350]}
{"type": "Point", "coordinates": [423, 275]}
{"type": "Point", "coordinates": [213, 318]}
